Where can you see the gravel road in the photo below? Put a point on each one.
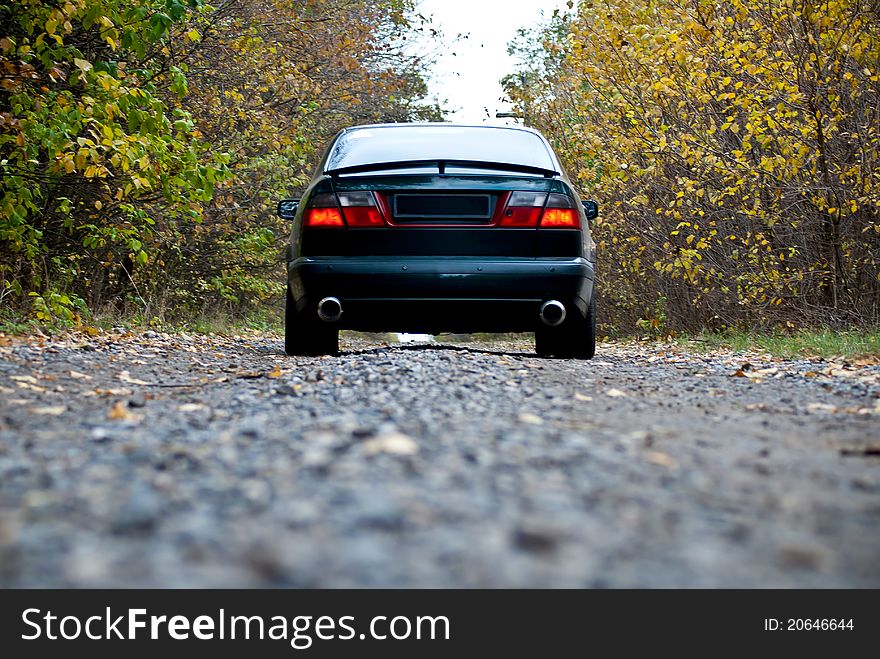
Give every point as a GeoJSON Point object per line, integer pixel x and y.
{"type": "Point", "coordinates": [173, 460]}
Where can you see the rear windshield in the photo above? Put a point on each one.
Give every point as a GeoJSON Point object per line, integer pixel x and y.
{"type": "Point", "coordinates": [386, 144]}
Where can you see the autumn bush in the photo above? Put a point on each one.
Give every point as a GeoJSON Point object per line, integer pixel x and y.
{"type": "Point", "coordinates": [143, 144]}
{"type": "Point", "coordinates": [734, 147]}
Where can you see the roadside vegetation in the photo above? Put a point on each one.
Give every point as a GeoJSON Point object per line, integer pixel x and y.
{"type": "Point", "coordinates": [825, 343]}
{"type": "Point", "coordinates": [144, 145]}
{"type": "Point", "coordinates": [735, 149]}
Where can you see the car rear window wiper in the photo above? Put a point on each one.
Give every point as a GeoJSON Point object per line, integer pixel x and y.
{"type": "Point", "coordinates": [441, 166]}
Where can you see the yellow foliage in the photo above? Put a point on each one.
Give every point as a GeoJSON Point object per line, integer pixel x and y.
{"type": "Point", "coordinates": [759, 116]}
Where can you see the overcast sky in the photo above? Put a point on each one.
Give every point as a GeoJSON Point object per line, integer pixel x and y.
{"type": "Point", "coordinates": [469, 80]}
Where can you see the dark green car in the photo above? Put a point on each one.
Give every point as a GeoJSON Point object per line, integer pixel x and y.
{"type": "Point", "coordinates": [436, 228]}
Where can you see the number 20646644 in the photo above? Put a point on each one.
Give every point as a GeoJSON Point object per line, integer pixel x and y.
{"type": "Point", "coordinates": [808, 624]}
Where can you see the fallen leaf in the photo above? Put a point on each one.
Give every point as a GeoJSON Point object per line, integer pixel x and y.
{"type": "Point", "coordinates": [394, 443]}
{"type": "Point", "coordinates": [660, 459]}
{"type": "Point", "coordinates": [125, 376]}
{"type": "Point", "coordinates": [213, 380]}
{"type": "Point", "coordinates": [615, 393]}
{"type": "Point", "coordinates": [31, 387]}
{"type": "Point", "coordinates": [821, 407]}
{"type": "Point", "coordinates": [53, 410]}
{"type": "Point", "coordinates": [120, 412]}
{"type": "Point", "coordinates": [108, 392]}
{"type": "Point", "coordinates": [275, 372]}
{"type": "Point", "coordinates": [527, 417]}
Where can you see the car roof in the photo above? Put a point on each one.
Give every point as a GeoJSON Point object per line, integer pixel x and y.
{"type": "Point", "coordinates": [369, 145]}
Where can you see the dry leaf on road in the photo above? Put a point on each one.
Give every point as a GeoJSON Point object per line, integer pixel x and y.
{"type": "Point", "coordinates": [395, 443]}
{"type": "Point", "coordinates": [120, 412]}
{"type": "Point", "coordinates": [31, 387]}
{"type": "Point", "coordinates": [821, 407]}
{"type": "Point", "coordinates": [52, 410]}
{"type": "Point", "coordinates": [660, 459]}
{"type": "Point", "coordinates": [125, 376]}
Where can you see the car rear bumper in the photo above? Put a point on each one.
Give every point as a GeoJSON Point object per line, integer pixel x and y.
{"type": "Point", "coordinates": [432, 294]}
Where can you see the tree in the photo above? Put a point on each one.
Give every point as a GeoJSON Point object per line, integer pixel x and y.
{"type": "Point", "coordinates": [735, 149]}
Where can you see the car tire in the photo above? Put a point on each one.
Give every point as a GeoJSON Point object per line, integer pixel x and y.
{"type": "Point", "coordinates": [306, 336]}
{"type": "Point", "coordinates": [575, 338]}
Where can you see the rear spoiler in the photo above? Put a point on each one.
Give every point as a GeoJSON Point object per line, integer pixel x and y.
{"type": "Point", "coordinates": [441, 167]}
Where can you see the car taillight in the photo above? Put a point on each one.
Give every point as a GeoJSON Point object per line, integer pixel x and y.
{"type": "Point", "coordinates": [560, 213]}
{"type": "Point", "coordinates": [523, 209]}
{"type": "Point", "coordinates": [323, 211]}
{"type": "Point", "coordinates": [528, 209]}
{"type": "Point", "coordinates": [360, 209]}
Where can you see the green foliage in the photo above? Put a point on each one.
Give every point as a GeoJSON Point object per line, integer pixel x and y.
{"type": "Point", "coordinates": [53, 306]}
{"type": "Point", "coordinates": [655, 322]}
{"type": "Point", "coordinates": [92, 156]}
{"type": "Point", "coordinates": [143, 144]}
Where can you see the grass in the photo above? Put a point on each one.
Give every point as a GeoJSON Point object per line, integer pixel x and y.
{"type": "Point", "coordinates": [802, 343]}
{"type": "Point", "coordinates": [13, 324]}
{"type": "Point", "coordinates": [220, 321]}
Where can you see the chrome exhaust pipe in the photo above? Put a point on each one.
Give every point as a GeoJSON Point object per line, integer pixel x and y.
{"type": "Point", "coordinates": [330, 309]}
{"type": "Point", "coordinates": [552, 313]}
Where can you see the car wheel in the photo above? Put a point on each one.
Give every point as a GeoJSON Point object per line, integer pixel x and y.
{"type": "Point", "coordinates": [306, 336]}
{"type": "Point", "coordinates": [575, 338]}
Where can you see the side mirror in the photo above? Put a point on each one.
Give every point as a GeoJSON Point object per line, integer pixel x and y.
{"type": "Point", "coordinates": [287, 208]}
{"type": "Point", "coordinates": [591, 209]}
